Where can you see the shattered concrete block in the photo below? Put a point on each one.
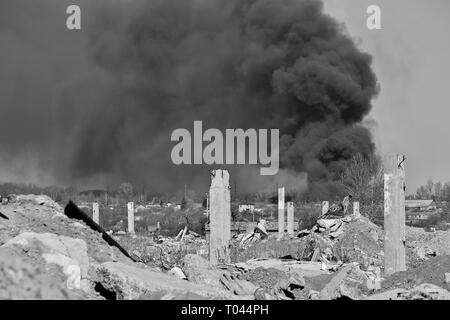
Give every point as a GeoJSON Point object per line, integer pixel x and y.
{"type": "Point", "coordinates": [131, 282]}
{"type": "Point", "coordinates": [56, 249]}
{"type": "Point", "coordinates": [21, 278]}
{"type": "Point", "coordinates": [68, 253]}
{"type": "Point", "coordinates": [198, 270]}
{"type": "Point", "coordinates": [177, 272]}
{"type": "Point", "coordinates": [345, 284]}
{"type": "Point", "coordinates": [327, 223]}
{"type": "Point", "coordinates": [425, 291]}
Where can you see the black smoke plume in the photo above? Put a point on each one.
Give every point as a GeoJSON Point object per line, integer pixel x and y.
{"type": "Point", "coordinates": [97, 106]}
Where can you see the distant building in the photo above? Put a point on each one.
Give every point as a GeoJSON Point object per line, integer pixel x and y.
{"type": "Point", "coordinates": [420, 205]}
{"type": "Point", "coordinates": [140, 208]}
{"type": "Point", "coordinates": [419, 210]}
{"type": "Point", "coordinates": [246, 207]}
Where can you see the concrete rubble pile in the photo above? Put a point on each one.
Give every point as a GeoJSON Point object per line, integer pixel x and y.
{"type": "Point", "coordinates": [343, 258]}
{"type": "Point", "coordinates": [44, 254]}
{"type": "Point", "coordinates": [164, 252]}
{"type": "Point", "coordinates": [346, 239]}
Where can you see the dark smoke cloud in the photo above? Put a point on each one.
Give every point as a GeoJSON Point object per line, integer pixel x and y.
{"type": "Point", "coordinates": [98, 106]}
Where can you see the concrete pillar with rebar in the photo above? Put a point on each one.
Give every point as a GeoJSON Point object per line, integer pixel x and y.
{"type": "Point", "coordinates": [130, 207]}
{"type": "Point", "coordinates": [290, 218]}
{"type": "Point", "coordinates": [280, 212]}
{"type": "Point", "coordinates": [219, 217]}
{"type": "Point", "coordinates": [95, 213]}
{"type": "Point", "coordinates": [356, 212]}
{"type": "Point", "coordinates": [394, 214]}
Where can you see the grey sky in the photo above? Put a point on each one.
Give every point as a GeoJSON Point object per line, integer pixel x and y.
{"type": "Point", "coordinates": [411, 55]}
{"type": "Point", "coordinates": [410, 59]}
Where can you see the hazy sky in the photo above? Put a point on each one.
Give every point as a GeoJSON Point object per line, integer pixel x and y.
{"type": "Point", "coordinates": [411, 59]}
{"type": "Point", "coordinates": [410, 54]}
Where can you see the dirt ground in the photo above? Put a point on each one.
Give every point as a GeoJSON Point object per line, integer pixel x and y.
{"type": "Point", "coordinates": [431, 271]}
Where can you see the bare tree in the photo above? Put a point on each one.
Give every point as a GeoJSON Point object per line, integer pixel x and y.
{"type": "Point", "coordinates": [362, 177]}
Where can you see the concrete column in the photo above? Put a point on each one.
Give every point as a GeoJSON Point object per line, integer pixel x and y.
{"type": "Point", "coordinates": [394, 214]}
{"type": "Point", "coordinates": [325, 206]}
{"type": "Point", "coordinates": [356, 212]}
{"type": "Point", "coordinates": [290, 218]}
{"type": "Point", "coordinates": [219, 217]}
{"type": "Point", "coordinates": [95, 213]}
{"type": "Point", "coordinates": [280, 212]}
{"type": "Point", "coordinates": [130, 217]}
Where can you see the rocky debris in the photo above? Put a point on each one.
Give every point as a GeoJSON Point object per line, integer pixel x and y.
{"type": "Point", "coordinates": [73, 212]}
{"type": "Point", "coordinates": [167, 252]}
{"type": "Point", "coordinates": [431, 271]}
{"type": "Point", "coordinates": [129, 282]}
{"type": "Point", "coordinates": [349, 239]}
{"type": "Point", "coordinates": [347, 283]}
{"type": "Point", "coordinates": [433, 243]}
{"type": "Point", "coordinates": [199, 270]}
{"type": "Point", "coordinates": [361, 242]}
{"type": "Point", "coordinates": [41, 200]}
{"type": "Point", "coordinates": [45, 254]}
{"type": "Point", "coordinates": [39, 214]}
{"type": "Point", "coordinates": [68, 253]}
{"type": "Point", "coordinates": [22, 278]}
{"type": "Point", "coordinates": [39, 239]}
{"type": "Point", "coordinates": [265, 278]}
{"type": "Point", "coordinates": [337, 240]}
{"type": "Point", "coordinates": [275, 284]}
{"type": "Point", "coordinates": [424, 253]}
{"type": "Point", "coordinates": [254, 235]}
{"type": "Point", "coordinates": [268, 248]}
{"type": "Point", "coordinates": [303, 268]}
{"type": "Point", "coordinates": [177, 272]}
{"type": "Point", "coordinates": [423, 291]}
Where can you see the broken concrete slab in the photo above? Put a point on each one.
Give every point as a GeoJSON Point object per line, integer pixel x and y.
{"type": "Point", "coordinates": [345, 284]}
{"type": "Point", "coordinates": [177, 272]}
{"type": "Point", "coordinates": [41, 200]}
{"type": "Point", "coordinates": [305, 269]}
{"type": "Point", "coordinates": [200, 271]}
{"type": "Point", "coordinates": [424, 291]}
{"type": "Point", "coordinates": [132, 282]}
{"type": "Point", "coordinates": [60, 250]}
{"type": "Point", "coordinates": [327, 223]}
{"type": "Point", "coordinates": [21, 278]}
{"type": "Point", "coordinates": [387, 295]}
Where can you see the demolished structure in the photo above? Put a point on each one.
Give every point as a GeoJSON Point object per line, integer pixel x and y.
{"type": "Point", "coordinates": [47, 252]}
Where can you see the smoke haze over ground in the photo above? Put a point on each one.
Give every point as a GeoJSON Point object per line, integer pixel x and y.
{"type": "Point", "coordinates": [96, 107]}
